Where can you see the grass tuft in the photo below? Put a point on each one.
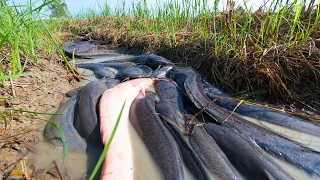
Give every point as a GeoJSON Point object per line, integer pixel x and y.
{"type": "Point", "coordinates": [25, 33]}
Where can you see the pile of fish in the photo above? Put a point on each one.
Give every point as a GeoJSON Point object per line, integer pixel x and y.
{"type": "Point", "coordinates": [185, 123]}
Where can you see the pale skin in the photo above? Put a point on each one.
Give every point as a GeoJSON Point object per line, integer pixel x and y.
{"type": "Point", "coordinates": [118, 163]}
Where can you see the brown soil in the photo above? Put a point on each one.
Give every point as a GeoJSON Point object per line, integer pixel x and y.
{"type": "Point", "coordinates": [35, 93]}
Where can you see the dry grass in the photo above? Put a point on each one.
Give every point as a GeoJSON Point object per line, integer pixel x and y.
{"type": "Point", "coordinates": [275, 65]}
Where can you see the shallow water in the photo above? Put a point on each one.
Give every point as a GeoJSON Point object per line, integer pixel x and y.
{"type": "Point", "coordinates": [77, 164]}
{"type": "Point", "coordinates": [145, 168]}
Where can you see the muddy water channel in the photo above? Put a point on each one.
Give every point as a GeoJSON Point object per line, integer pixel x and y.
{"type": "Point", "coordinates": [175, 127]}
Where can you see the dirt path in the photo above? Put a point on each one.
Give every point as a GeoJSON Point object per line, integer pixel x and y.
{"type": "Point", "coordinates": [38, 93]}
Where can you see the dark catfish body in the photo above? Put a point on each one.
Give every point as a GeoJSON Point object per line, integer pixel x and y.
{"type": "Point", "coordinates": [274, 117]}
{"type": "Point", "coordinates": [210, 89]}
{"type": "Point", "coordinates": [147, 71]}
{"type": "Point", "coordinates": [150, 60]}
{"type": "Point", "coordinates": [189, 81]}
{"type": "Point", "coordinates": [87, 117]}
{"type": "Point", "coordinates": [281, 147]}
{"type": "Point", "coordinates": [264, 114]}
{"type": "Point", "coordinates": [118, 66]}
{"type": "Point", "coordinates": [189, 156]}
{"type": "Point", "coordinates": [129, 69]}
{"type": "Point", "coordinates": [211, 155]}
{"type": "Point", "coordinates": [98, 70]}
{"type": "Point", "coordinates": [249, 158]}
{"type": "Point", "coordinates": [300, 156]}
{"type": "Point", "coordinates": [79, 46]}
{"type": "Point", "coordinates": [73, 92]}
{"type": "Point", "coordinates": [157, 139]}
{"type": "Point", "coordinates": [170, 107]}
{"type": "Point", "coordinates": [169, 91]}
{"type": "Point", "coordinates": [64, 119]}
{"type": "Point", "coordinates": [131, 72]}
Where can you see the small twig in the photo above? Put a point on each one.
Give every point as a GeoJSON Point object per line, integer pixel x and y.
{"type": "Point", "coordinates": [234, 109]}
{"type": "Point", "coordinates": [28, 146]}
{"type": "Point", "coordinates": [15, 135]}
{"type": "Point", "coordinates": [59, 171]}
{"type": "Point", "coordinates": [41, 172]}
{"type": "Point", "coordinates": [170, 122]}
{"type": "Point", "coordinates": [199, 112]}
{"type": "Point", "coordinates": [12, 88]}
{"type": "Point", "coordinates": [54, 173]}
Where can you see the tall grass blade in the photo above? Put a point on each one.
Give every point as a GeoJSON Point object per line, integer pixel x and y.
{"type": "Point", "coordinates": [63, 139]}
{"type": "Point", "coordinates": [5, 120]}
{"type": "Point", "coordinates": [27, 111]}
{"type": "Point", "coordinates": [59, 49]}
{"type": "Point", "coordinates": [15, 75]}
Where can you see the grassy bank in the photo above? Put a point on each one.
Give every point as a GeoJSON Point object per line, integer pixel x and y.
{"type": "Point", "coordinates": [28, 45]}
{"type": "Point", "coordinates": [25, 35]}
{"type": "Point", "coordinates": [272, 51]}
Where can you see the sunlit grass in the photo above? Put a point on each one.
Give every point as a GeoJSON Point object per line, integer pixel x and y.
{"type": "Point", "coordinates": [231, 30]}
{"type": "Point", "coordinates": [246, 48]}
{"type": "Point", "coordinates": [24, 32]}
{"type": "Point", "coordinates": [26, 35]}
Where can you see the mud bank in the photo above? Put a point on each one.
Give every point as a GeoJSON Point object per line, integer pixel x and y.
{"type": "Point", "coordinates": [34, 93]}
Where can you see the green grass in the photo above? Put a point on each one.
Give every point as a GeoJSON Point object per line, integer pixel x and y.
{"type": "Point", "coordinates": [239, 48]}
{"type": "Point", "coordinates": [298, 18]}
{"type": "Point", "coordinates": [231, 30]}
{"type": "Point", "coordinates": [24, 33]}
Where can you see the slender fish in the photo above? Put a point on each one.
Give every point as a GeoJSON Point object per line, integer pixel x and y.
{"type": "Point", "coordinates": [157, 138]}
{"type": "Point", "coordinates": [171, 107]}
{"type": "Point", "coordinates": [249, 158]}
{"type": "Point", "coordinates": [64, 119]}
{"type": "Point", "coordinates": [150, 60]}
{"type": "Point", "coordinates": [98, 70]}
{"type": "Point", "coordinates": [277, 145]}
{"type": "Point", "coordinates": [88, 101]}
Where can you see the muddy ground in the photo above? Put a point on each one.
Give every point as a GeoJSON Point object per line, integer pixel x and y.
{"type": "Point", "coordinates": [34, 93]}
